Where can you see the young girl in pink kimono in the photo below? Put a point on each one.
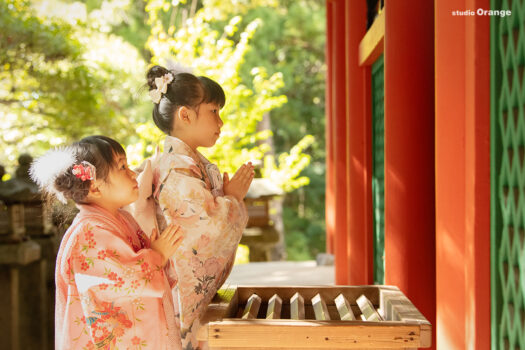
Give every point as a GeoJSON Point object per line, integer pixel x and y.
{"type": "Point", "coordinates": [111, 288]}
{"type": "Point", "coordinates": [190, 191]}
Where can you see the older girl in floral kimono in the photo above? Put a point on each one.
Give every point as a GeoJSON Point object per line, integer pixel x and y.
{"type": "Point", "coordinates": [189, 191]}
{"type": "Point", "coordinates": [111, 289]}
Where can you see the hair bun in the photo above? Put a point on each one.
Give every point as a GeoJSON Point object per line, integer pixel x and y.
{"type": "Point", "coordinates": [155, 72]}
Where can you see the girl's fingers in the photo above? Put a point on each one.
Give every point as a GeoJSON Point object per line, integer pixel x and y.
{"type": "Point", "coordinates": [175, 245]}
{"type": "Point", "coordinates": [178, 241]}
{"type": "Point", "coordinates": [154, 234]}
{"type": "Point", "coordinates": [243, 168]}
{"type": "Point", "coordinates": [249, 177]}
{"type": "Point", "coordinates": [175, 235]}
{"type": "Point", "coordinates": [173, 232]}
{"type": "Point", "coordinates": [169, 231]}
{"type": "Point", "coordinates": [247, 183]}
{"type": "Point", "coordinates": [249, 168]}
{"type": "Point", "coordinates": [237, 173]}
{"type": "Point", "coordinates": [245, 172]}
{"type": "Point", "coordinates": [245, 180]}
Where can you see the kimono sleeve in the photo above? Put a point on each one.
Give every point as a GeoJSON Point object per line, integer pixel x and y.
{"type": "Point", "coordinates": [185, 200]}
{"type": "Point", "coordinates": [104, 265]}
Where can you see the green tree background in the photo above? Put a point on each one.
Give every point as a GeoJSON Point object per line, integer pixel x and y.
{"type": "Point", "coordinates": [69, 69]}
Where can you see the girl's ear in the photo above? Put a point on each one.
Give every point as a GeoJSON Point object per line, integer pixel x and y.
{"type": "Point", "coordinates": [183, 114]}
{"type": "Point", "coordinates": [94, 190]}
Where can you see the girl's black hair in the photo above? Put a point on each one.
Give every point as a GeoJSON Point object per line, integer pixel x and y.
{"type": "Point", "coordinates": [213, 92]}
{"type": "Point", "coordinates": [101, 151]}
{"type": "Point", "coordinates": [185, 90]}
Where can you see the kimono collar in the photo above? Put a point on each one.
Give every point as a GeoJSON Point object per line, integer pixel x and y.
{"type": "Point", "coordinates": [182, 156]}
{"type": "Point", "coordinates": [175, 145]}
{"type": "Point", "coordinates": [118, 221]}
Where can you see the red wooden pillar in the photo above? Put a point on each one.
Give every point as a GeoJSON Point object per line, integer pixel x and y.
{"type": "Point", "coordinates": [340, 143]}
{"type": "Point", "coordinates": [330, 174]}
{"type": "Point", "coordinates": [358, 136]}
{"type": "Point", "coordinates": [462, 176]}
{"type": "Point", "coordinates": [409, 152]}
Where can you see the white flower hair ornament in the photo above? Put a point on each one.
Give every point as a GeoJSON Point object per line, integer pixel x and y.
{"type": "Point", "coordinates": [162, 86]}
{"type": "Point", "coordinates": [45, 170]}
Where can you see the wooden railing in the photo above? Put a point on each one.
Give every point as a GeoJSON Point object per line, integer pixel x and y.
{"type": "Point", "coordinates": [324, 317]}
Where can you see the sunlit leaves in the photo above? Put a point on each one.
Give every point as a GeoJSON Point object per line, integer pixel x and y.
{"type": "Point", "coordinates": [64, 77]}
{"type": "Point", "coordinates": [286, 174]}
{"type": "Point", "coordinates": [65, 74]}
{"type": "Point", "coordinates": [220, 55]}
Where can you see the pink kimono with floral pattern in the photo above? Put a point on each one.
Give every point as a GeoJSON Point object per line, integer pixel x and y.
{"type": "Point", "coordinates": [112, 292]}
{"type": "Point", "coordinates": [189, 193]}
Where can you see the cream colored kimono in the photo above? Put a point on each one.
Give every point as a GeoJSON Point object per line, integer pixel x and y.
{"type": "Point", "coordinates": [188, 192]}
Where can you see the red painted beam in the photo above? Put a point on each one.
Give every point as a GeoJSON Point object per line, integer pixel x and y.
{"type": "Point", "coordinates": [462, 176]}
{"type": "Point", "coordinates": [409, 152]}
{"type": "Point", "coordinates": [330, 173]}
{"type": "Point", "coordinates": [339, 133]}
{"type": "Point", "coordinates": [359, 156]}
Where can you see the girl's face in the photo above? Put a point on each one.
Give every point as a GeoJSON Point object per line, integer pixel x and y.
{"type": "Point", "coordinates": [121, 187]}
{"type": "Point", "coordinates": [207, 125]}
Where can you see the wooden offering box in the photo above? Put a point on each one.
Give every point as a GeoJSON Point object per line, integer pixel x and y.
{"type": "Point", "coordinates": [314, 317]}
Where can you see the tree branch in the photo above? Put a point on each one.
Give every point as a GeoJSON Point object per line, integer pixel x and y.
{"type": "Point", "coordinates": [9, 102]}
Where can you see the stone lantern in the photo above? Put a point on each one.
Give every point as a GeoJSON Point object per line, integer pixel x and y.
{"type": "Point", "coordinates": [260, 234]}
{"type": "Point", "coordinates": [26, 265]}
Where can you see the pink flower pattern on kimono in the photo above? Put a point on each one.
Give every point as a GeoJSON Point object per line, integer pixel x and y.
{"type": "Point", "coordinates": [212, 226]}
{"type": "Point", "coordinates": [177, 217]}
{"type": "Point", "coordinates": [111, 288]}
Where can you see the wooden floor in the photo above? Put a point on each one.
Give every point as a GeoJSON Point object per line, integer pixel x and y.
{"type": "Point", "coordinates": [282, 273]}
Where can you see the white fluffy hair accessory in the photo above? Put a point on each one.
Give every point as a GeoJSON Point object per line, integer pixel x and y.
{"type": "Point", "coordinates": [45, 170]}
{"type": "Point", "coordinates": [177, 68]}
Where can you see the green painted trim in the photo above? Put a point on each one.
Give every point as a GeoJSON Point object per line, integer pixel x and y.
{"type": "Point", "coordinates": [378, 167]}
{"type": "Point", "coordinates": [494, 83]}
{"type": "Point", "coordinates": [507, 177]}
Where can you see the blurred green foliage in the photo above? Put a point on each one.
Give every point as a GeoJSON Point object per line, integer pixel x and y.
{"type": "Point", "coordinates": [290, 39]}
{"type": "Point", "coordinates": [69, 69]}
{"type": "Point", "coordinates": [62, 77]}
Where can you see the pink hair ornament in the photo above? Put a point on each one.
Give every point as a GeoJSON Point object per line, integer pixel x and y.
{"type": "Point", "coordinates": [84, 171]}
